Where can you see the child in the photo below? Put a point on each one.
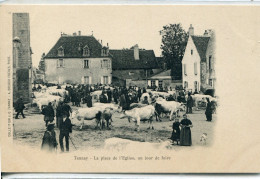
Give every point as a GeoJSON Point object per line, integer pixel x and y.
{"type": "Point", "coordinates": [49, 142]}
{"type": "Point", "coordinates": [176, 131]}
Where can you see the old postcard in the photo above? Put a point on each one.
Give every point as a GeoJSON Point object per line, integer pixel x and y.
{"type": "Point", "coordinates": [130, 89]}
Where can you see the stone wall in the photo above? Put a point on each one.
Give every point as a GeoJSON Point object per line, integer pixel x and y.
{"type": "Point", "coordinates": [22, 61]}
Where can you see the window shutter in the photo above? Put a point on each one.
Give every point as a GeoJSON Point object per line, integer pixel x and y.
{"type": "Point", "coordinates": [184, 68]}
{"type": "Point", "coordinates": [57, 63]}
{"type": "Point", "coordinates": [149, 82]}
{"type": "Point", "coordinates": [82, 80]}
{"type": "Point", "coordinates": [90, 80]}
{"type": "Point", "coordinates": [82, 63]}
{"type": "Point", "coordinates": [156, 83]}
{"type": "Point", "coordinates": [109, 79]}
{"type": "Point", "coordinates": [63, 62]}
{"type": "Point", "coordinates": [101, 63]}
{"type": "Point", "coordinates": [195, 68]}
{"type": "Point", "coordinates": [89, 63]}
{"type": "Point", "coordinates": [101, 80]}
{"type": "Point", "coordinates": [109, 63]}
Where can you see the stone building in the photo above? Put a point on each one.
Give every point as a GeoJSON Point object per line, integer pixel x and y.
{"type": "Point", "coordinates": [198, 64]}
{"type": "Point", "coordinates": [163, 79]}
{"type": "Point", "coordinates": [22, 61]}
{"type": "Point", "coordinates": [133, 66]}
{"type": "Point", "coordinates": [78, 59]}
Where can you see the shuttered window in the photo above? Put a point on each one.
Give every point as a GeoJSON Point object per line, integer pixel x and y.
{"type": "Point", "coordinates": [184, 69]}
{"type": "Point", "coordinates": [60, 63]}
{"type": "Point", "coordinates": [85, 63]}
{"type": "Point", "coordinates": [195, 68]}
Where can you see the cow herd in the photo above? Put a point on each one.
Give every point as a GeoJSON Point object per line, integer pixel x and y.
{"type": "Point", "coordinates": [103, 112]}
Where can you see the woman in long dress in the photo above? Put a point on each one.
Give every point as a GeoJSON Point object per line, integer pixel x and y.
{"type": "Point", "coordinates": [176, 131]}
{"type": "Point", "coordinates": [185, 137]}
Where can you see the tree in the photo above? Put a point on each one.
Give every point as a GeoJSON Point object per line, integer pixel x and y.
{"type": "Point", "coordinates": [174, 41]}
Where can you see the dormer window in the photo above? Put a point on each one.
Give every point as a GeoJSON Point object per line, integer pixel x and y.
{"type": "Point", "coordinates": [86, 51]}
{"type": "Point", "coordinates": [61, 51]}
{"type": "Point", "coordinates": [104, 52]}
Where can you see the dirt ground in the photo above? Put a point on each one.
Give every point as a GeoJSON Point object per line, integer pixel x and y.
{"type": "Point", "coordinates": [29, 131]}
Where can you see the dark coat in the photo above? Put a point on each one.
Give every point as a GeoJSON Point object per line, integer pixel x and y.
{"type": "Point", "coordinates": [123, 102]}
{"type": "Point", "coordinates": [66, 126]}
{"type": "Point", "coordinates": [103, 98]}
{"type": "Point", "coordinates": [48, 111]}
{"type": "Point", "coordinates": [209, 108]}
{"type": "Point", "coordinates": [176, 131]}
{"type": "Point", "coordinates": [189, 102]}
{"type": "Point", "coordinates": [89, 100]}
{"type": "Point", "coordinates": [49, 142]}
{"type": "Point", "coordinates": [66, 109]}
{"type": "Point", "coordinates": [19, 105]}
{"type": "Point", "coordinates": [59, 112]}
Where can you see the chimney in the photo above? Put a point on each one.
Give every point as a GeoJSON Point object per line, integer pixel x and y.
{"type": "Point", "coordinates": [74, 33]}
{"type": "Point", "coordinates": [136, 52]}
{"type": "Point", "coordinates": [206, 33]}
{"type": "Point", "coordinates": [107, 45]}
{"type": "Point", "coordinates": [79, 33]}
{"type": "Point", "coordinates": [191, 30]}
{"type": "Point", "coordinates": [101, 43]}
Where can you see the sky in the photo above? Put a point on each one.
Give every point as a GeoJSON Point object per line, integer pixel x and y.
{"type": "Point", "coordinates": [120, 26]}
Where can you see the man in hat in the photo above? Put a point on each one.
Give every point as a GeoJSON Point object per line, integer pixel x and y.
{"type": "Point", "coordinates": [49, 142]}
{"type": "Point", "coordinates": [65, 130]}
{"type": "Point", "coordinates": [19, 107]}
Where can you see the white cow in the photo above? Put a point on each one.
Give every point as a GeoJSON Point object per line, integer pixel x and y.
{"type": "Point", "coordinates": [103, 106]}
{"type": "Point", "coordinates": [148, 97]}
{"type": "Point", "coordinates": [57, 92]}
{"type": "Point", "coordinates": [78, 116]}
{"type": "Point", "coordinates": [45, 99]}
{"type": "Point", "coordinates": [140, 114]}
{"type": "Point", "coordinates": [96, 94]}
{"type": "Point", "coordinates": [170, 107]}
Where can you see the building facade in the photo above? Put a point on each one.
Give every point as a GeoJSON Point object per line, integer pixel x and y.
{"type": "Point", "coordinates": [22, 61]}
{"type": "Point", "coordinates": [198, 64]}
{"type": "Point", "coordinates": [78, 59]}
{"type": "Point", "coordinates": [163, 79]}
{"type": "Point", "coordinates": [133, 66]}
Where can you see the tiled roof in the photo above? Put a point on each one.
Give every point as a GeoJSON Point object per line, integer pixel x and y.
{"type": "Point", "coordinates": [124, 59]}
{"type": "Point", "coordinates": [201, 44]}
{"type": "Point", "coordinates": [71, 45]}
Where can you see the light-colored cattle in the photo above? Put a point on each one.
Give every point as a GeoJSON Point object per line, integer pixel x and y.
{"type": "Point", "coordinates": [140, 114]}
{"type": "Point", "coordinates": [45, 99]}
{"type": "Point", "coordinates": [137, 105]}
{"type": "Point", "coordinates": [78, 116]}
{"type": "Point", "coordinates": [96, 94]}
{"type": "Point", "coordinates": [148, 98]}
{"type": "Point", "coordinates": [103, 106]}
{"type": "Point", "coordinates": [57, 92]}
{"type": "Point", "coordinates": [171, 107]}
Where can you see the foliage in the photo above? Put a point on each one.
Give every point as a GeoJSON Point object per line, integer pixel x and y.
{"type": "Point", "coordinates": [174, 41]}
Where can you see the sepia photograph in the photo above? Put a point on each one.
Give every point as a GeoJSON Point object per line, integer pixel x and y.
{"type": "Point", "coordinates": [129, 88]}
{"type": "Point", "coordinates": [83, 92]}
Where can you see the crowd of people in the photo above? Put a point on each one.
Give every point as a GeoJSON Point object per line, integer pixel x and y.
{"type": "Point", "coordinates": [81, 94]}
